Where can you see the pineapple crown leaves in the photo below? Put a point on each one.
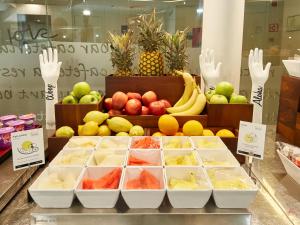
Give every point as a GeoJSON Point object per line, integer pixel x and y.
{"type": "Point", "coordinates": [150, 32]}
{"type": "Point", "coordinates": [122, 51]}
{"type": "Point", "coordinates": [175, 49]}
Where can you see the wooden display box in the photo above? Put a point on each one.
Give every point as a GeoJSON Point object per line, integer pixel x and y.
{"type": "Point", "coordinates": [228, 115]}
{"type": "Point", "coordinates": [72, 114]}
{"type": "Point", "coordinates": [167, 87]}
{"type": "Point", "coordinates": [55, 145]}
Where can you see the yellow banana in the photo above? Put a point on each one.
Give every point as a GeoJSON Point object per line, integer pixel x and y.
{"type": "Point", "coordinates": [189, 84]}
{"type": "Point", "coordinates": [195, 109]}
{"type": "Point", "coordinates": [185, 106]}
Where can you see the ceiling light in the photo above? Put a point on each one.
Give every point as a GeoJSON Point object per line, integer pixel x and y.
{"type": "Point", "coordinates": [199, 11]}
{"type": "Point", "coordinates": [290, 37]}
{"type": "Point", "coordinates": [64, 36]}
{"type": "Point", "coordinates": [86, 12]}
{"type": "Point", "coordinates": [97, 35]}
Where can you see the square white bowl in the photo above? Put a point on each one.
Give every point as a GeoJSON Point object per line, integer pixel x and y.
{"type": "Point", "coordinates": [114, 143]}
{"type": "Point", "coordinates": [292, 66]}
{"type": "Point", "coordinates": [74, 142]}
{"type": "Point", "coordinates": [181, 139]}
{"type": "Point", "coordinates": [222, 158]}
{"type": "Point", "coordinates": [184, 198]}
{"type": "Point", "coordinates": [103, 154]}
{"type": "Point", "coordinates": [145, 149]}
{"type": "Point", "coordinates": [97, 198]}
{"type": "Point", "coordinates": [234, 198]}
{"type": "Point", "coordinates": [55, 198]}
{"type": "Point", "coordinates": [216, 143]}
{"type": "Point", "coordinates": [143, 198]}
{"type": "Point", "coordinates": [174, 153]}
{"type": "Point", "coordinates": [65, 152]}
{"type": "Point", "coordinates": [290, 167]}
{"type": "Point", "coordinates": [151, 156]}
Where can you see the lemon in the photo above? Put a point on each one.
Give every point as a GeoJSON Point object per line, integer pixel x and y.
{"type": "Point", "coordinates": [122, 134]}
{"type": "Point", "coordinates": [158, 134]}
{"type": "Point", "coordinates": [89, 129]}
{"type": "Point", "coordinates": [136, 131]}
{"type": "Point", "coordinates": [168, 124]}
{"type": "Point", "coordinates": [192, 128]}
{"type": "Point", "coordinates": [225, 133]}
{"type": "Point", "coordinates": [26, 145]}
{"type": "Point", "coordinates": [208, 132]}
{"type": "Point", "coordinates": [103, 130]}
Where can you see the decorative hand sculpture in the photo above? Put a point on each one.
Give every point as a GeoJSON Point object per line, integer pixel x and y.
{"type": "Point", "coordinates": [259, 76]}
{"type": "Point", "coordinates": [50, 68]}
{"type": "Point", "coordinates": [210, 73]}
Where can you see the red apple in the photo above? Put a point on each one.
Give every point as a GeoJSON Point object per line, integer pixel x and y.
{"type": "Point", "coordinates": [149, 97]}
{"type": "Point", "coordinates": [134, 95]}
{"type": "Point", "coordinates": [114, 112]}
{"type": "Point", "coordinates": [145, 110]}
{"type": "Point", "coordinates": [119, 100]}
{"type": "Point", "coordinates": [133, 107]}
{"type": "Point", "coordinates": [157, 108]}
{"type": "Point", "coordinates": [166, 103]}
{"type": "Point", "coordinates": [108, 103]}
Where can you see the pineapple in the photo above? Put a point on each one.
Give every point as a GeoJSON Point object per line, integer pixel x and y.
{"type": "Point", "coordinates": [175, 51]}
{"type": "Point", "coordinates": [122, 53]}
{"type": "Point", "coordinates": [151, 39]}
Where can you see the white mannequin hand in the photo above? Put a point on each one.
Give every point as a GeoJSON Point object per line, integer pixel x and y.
{"type": "Point", "coordinates": [209, 72]}
{"type": "Point", "coordinates": [50, 68]}
{"type": "Point", "coordinates": [259, 76]}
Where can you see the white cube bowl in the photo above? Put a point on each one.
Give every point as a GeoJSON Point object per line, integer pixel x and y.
{"type": "Point", "coordinates": [151, 156]}
{"type": "Point", "coordinates": [55, 198]}
{"type": "Point", "coordinates": [166, 139]}
{"type": "Point", "coordinates": [290, 167]}
{"type": "Point", "coordinates": [220, 155]}
{"type": "Point", "coordinates": [175, 153]}
{"type": "Point", "coordinates": [143, 198]}
{"type": "Point", "coordinates": [219, 143]}
{"type": "Point", "coordinates": [124, 140]}
{"type": "Point", "coordinates": [54, 162]}
{"type": "Point", "coordinates": [68, 146]}
{"type": "Point", "coordinates": [145, 149]}
{"type": "Point", "coordinates": [188, 198]}
{"type": "Point", "coordinates": [232, 198]}
{"type": "Point", "coordinates": [292, 66]}
{"type": "Point", "coordinates": [97, 198]}
{"type": "Point", "coordinates": [92, 162]}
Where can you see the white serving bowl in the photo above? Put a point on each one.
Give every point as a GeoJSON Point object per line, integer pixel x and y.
{"type": "Point", "coordinates": [234, 198]}
{"type": "Point", "coordinates": [208, 143]}
{"type": "Point", "coordinates": [188, 198]}
{"type": "Point", "coordinates": [103, 154]}
{"type": "Point", "coordinates": [97, 198]}
{"type": "Point", "coordinates": [133, 139]}
{"type": "Point", "coordinates": [290, 167]}
{"type": "Point", "coordinates": [222, 158]}
{"type": "Point", "coordinates": [55, 198]}
{"type": "Point", "coordinates": [151, 156]}
{"type": "Point", "coordinates": [114, 143]}
{"type": "Point", "coordinates": [174, 153]}
{"type": "Point", "coordinates": [292, 66]}
{"type": "Point", "coordinates": [65, 152]}
{"type": "Point", "coordinates": [74, 142]}
{"type": "Point", "coordinates": [143, 198]}
{"type": "Point", "coordinates": [181, 140]}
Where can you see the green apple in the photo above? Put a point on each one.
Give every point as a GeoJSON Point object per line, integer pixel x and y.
{"type": "Point", "coordinates": [96, 94]}
{"type": "Point", "coordinates": [218, 99]}
{"type": "Point", "coordinates": [81, 88]}
{"type": "Point", "coordinates": [72, 93]}
{"type": "Point", "coordinates": [224, 88]}
{"type": "Point", "coordinates": [70, 99]}
{"type": "Point", "coordinates": [88, 99]}
{"type": "Point", "coordinates": [238, 99]}
{"type": "Point", "coordinates": [209, 94]}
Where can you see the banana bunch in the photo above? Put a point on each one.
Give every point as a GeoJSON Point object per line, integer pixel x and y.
{"type": "Point", "coordinates": [192, 101]}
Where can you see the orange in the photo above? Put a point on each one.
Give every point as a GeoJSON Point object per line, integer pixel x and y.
{"type": "Point", "coordinates": [168, 124]}
{"type": "Point", "coordinates": [158, 134]}
{"type": "Point", "coordinates": [192, 128]}
{"type": "Point", "coordinates": [179, 134]}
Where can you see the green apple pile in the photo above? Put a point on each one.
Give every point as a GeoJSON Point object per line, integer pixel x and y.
{"type": "Point", "coordinates": [82, 94]}
{"type": "Point", "coordinates": [224, 94]}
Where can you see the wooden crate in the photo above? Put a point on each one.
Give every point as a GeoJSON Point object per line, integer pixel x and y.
{"type": "Point", "coordinates": [72, 114]}
{"type": "Point", "coordinates": [55, 145]}
{"type": "Point", "coordinates": [228, 115]}
{"type": "Point", "coordinates": [168, 87]}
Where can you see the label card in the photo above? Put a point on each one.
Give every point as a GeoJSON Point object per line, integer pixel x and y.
{"type": "Point", "coordinates": [28, 148]}
{"type": "Point", "coordinates": [251, 141]}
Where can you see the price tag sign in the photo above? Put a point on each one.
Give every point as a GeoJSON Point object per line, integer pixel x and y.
{"type": "Point", "coordinates": [28, 148]}
{"type": "Point", "coordinates": [251, 140]}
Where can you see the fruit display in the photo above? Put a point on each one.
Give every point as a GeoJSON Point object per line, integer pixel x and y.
{"type": "Point", "coordinates": [192, 101]}
{"type": "Point", "coordinates": [71, 157]}
{"type": "Point", "coordinates": [134, 103]}
{"type": "Point", "coordinates": [111, 158]}
{"type": "Point", "coordinates": [145, 143]}
{"type": "Point", "coordinates": [150, 38]}
{"type": "Point", "coordinates": [56, 180]}
{"type": "Point", "coordinates": [190, 182]}
{"type": "Point", "coordinates": [181, 159]}
{"type": "Point", "coordinates": [145, 180]}
{"type": "Point", "coordinates": [175, 143]}
{"type": "Point", "coordinates": [114, 143]}
{"type": "Point", "coordinates": [82, 143]}
{"type": "Point", "coordinates": [110, 180]}
{"type": "Point", "coordinates": [82, 94]}
{"type": "Point", "coordinates": [224, 94]}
